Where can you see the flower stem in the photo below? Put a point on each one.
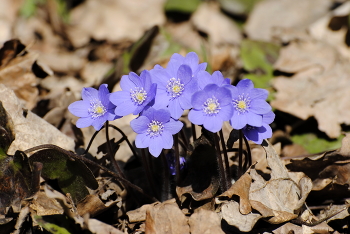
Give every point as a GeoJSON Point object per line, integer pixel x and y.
{"type": "Point", "coordinates": [223, 179]}
{"type": "Point", "coordinates": [194, 134]}
{"type": "Point", "coordinates": [227, 165]}
{"type": "Point", "coordinates": [111, 153]}
{"type": "Point", "coordinates": [91, 140]}
{"type": "Point", "coordinates": [165, 174]}
{"type": "Point", "coordinates": [248, 161]}
{"type": "Point", "coordinates": [125, 138]}
{"type": "Point", "coordinates": [148, 172]}
{"type": "Point", "coordinates": [184, 138]}
{"type": "Point", "coordinates": [240, 153]}
{"type": "Point", "coordinates": [177, 157]}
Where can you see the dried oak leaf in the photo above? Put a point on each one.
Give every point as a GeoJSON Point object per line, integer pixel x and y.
{"type": "Point", "coordinates": [267, 15]}
{"type": "Point", "coordinates": [322, 78]}
{"type": "Point", "coordinates": [114, 20]}
{"type": "Point", "coordinates": [205, 222]}
{"type": "Point", "coordinates": [166, 218]}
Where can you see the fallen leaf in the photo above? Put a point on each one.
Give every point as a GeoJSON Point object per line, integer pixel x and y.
{"type": "Point", "coordinates": [205, 222]}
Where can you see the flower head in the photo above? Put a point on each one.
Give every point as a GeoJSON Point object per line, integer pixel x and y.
{"type": "Point", "coordinates": [204, 78]}
{"type": "Point", "coordinates": [95, 108]}
{"type": "Point", "coordinates": [249, 105]}
{"type": "Point", "coordinates": [211, 107]}
{"type": "Point", "coordinates": [170, 156]}
{"type": "Point", "coordinates": [258, 134]}
{"type": "Point", "coordinates": [155, 129]}
{"type": "Point", "coordinates": [176, 83]}
{"type": "Point", "coordinates": [137, 92]}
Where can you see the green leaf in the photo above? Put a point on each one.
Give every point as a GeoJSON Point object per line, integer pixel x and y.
{"type": "Point", "coordinates": [313, 144]}
{"type": "Point", "coordinates": [238, 6]}
{"type": "Point", "coordinates": [184, 6]}
{"type": "Point", "coordinates": [59, 224]}
{"type": "Point", "coordinates": [72, 176]}
{"type": "Point", "coordinates": [259, 56]}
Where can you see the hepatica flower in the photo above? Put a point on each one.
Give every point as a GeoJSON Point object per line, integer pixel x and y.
{"type": "Point", "coordinates": [204, 78]}
{"type": "Point", "coordinates": [176, 83]}
{"type": "Point", "coordinates": [155, 129]}
{"type": "Point", "coordinates": [211, 107]}
{"type": "Point", "coordinates": [136, 93]}
{"type": "Point", "coordinates": [258, 134]}
{"type": "Point", "coordinates": [95, 108]}
{"type": "Point", "coordinates": [170, 156]}
{"type": "Point", "coordinates": [249, 105]}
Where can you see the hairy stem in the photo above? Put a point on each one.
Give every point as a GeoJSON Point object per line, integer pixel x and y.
{"type": "Point", "coordinates": [227, 165]}
{"type": "Point", "coordinates": [223, 179]}
{"type": "Point", "coordinates": [111, 153]}
{"type": "Point", "coordinates": [148, 172]}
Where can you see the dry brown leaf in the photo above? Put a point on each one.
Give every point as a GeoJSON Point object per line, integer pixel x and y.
{"type": "Point", "coordinates": [322, 79]}
{"type": "Point", "coordinates": [240, 188]}
{"type": "Point", "coordinates": [289, 228]}
{"type": "Point", "coordinates": [166, 218]}
{"type": "Point", "coordinates": [139, 214]}
{"type": "Point", "coordinates": [231, 214]}
{"type": "Point", "coordinates": [8, 15]}
{"type": "Point", "coordinates": [43, 205]}
{"type": "Point", "coordinates": [91, 204]}
{"type": "Point", "coordinates": [205, 222]}
{"type": "Point", "coordinates": [114, 20]}
{"type": "Point", "coordinates": [221, 29]}
{"type": "Point", "coordinates": [270, 14]}
{"type": "Point", "coordinates": [98, 227]}
{"type": "Point", "coordinates": [30, 130]}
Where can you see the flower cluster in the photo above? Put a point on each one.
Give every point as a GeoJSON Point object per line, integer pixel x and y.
{"type": "Point", "coordinates": [160, 97]}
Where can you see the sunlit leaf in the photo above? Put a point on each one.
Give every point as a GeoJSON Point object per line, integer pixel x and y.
{"type": "Point", "coordinates": [314, 144]}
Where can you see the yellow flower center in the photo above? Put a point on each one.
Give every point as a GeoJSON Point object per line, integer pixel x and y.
{"type": "Point", "coordinates": [212, 106]}
{"type": "Point", "coordinates": [176, 89]}
{"type": "Point", "coordinates": [155, 128]}
{"type": "Point", "coordinates": [241, 105]}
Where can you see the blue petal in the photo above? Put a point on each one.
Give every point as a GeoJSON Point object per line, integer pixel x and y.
{"type": "Point", "coordinates": [149, 113]}
{"type": "Point", "coordinates": [126, 84]}
{"type": "Point", "coordinates": [213, 123]}
{"type": "Point", "coordinates": [175, 62]}
{"type": "Point", "coordinates": [265, 131]}
{"type": "Point", "coordinates": [167, 140]}
{"type": "Point", "coordinates": [99, 122]}
{"type": "Point", "coordinates": [125, 108]}
{"type": "Point", "coordinates": [103, 94]}
{"type": "Point", "coordinates": [84, 122]}
{"type": "Point", "coordinates": [160, 77]}
{"type": "Point", "coordinates": [120, 97]}
{"type": "Point", "coordinates": [245, 85]}
{"type": "Point", "coordinates": [140, 124]}
{"type": "Point", "coordinates": [203, 79]}
{"type": "Point", "coordinates": [112, 116]}
{"type": "Point", "coordinates": [218, 78]}
{"type": "Point", "coordinates": [238, 121]}
{"type": "Point", "coordinates": [135, 79]}
{"type": "Point", "coordinates": [224, 96]}
{"type": "Point", "coordinates": [196, 117]}
{"type": "Point", "coordinates": [184, 74]}
{"type": "Point", "coordinates": [161, 115]}
{"type": "Point", "coordinates": [191, 60]}
{"type": "Point", "coordinates": [175, 109]}
{"type": "Point", "coordinates": [145, 78]}
{"type": "Point", "coordinates": [161, 99]}
{"type": "Point", "coordinates": [185, 100]}
{"type": "Point", "coordinates": [173, 126]}
{"type": "Point", "coordinates": [254, 119]}
{"type": "Point", "coordinates": [89, 94]}
{"type": "Point", "coordinates": [226, 112]}
{"type": "Point", "coordinates": [259, 106]}
{"type": "Point", "coordinates": [258, 93]}
{"type": "Point", "coordinates": [155, 146]}
{"type": "Point", "coordinates": [79, 108]}
{"type": "Point", "coordinates": [268, 118]}
{"type": "Point", "coordinates": [200, 67]}
{"type": "Point", "coordinates": [198, 100]}
{"type": "Point", "coordinates": [252, 134]}
{"type": "Point", "coordinates": [142, 141]}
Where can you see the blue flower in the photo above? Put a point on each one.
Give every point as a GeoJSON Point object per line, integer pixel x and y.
{"type": "Point", "coordinates": [211, 107]}
{"type": "Point", "coordinates": [95, 108]}
{"type": "Point", "coordinates": [155, 129]}
{"type": "Point", "coordinates": [176, 83]}
{"type": "Point", "coordinates": [258, 134]}
{"type": "Point", "coordinates": [204, 78]}
{"type": "Point", "coordinates": [170, 156]}
{"type": "Point", "coordinates": [249, 105]}
{"type": "Point", "coordinates": [136, 93]}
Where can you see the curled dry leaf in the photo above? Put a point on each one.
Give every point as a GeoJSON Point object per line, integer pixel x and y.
{"type": "Point", "coordinates": [166, 218]}
{"type": "Point", "coordinates": [319, 71]}
{"type": "Point", "coordinates": [114, 20]}
{"type": "Point", "coordinates": [30, 130]}
{"type": "Point", "coordinates": [205, 222]}
{"type": "Point", "coordinates": [267, 16]}
{"type": "Point", "coordinates": [277, 199]}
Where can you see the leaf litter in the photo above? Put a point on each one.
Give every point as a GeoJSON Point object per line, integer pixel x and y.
{"type": "Point", "coordinates": [301, 58]}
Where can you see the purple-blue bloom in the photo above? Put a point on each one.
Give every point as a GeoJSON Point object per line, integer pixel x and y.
{"type": "Point", "coordinates": [170, 156]}
{"type": "Point", "coordinates": [95, 108]}
{"type": "Point", "coordinates": [176, 83]}
{"type": "Point", "coordinates": [155, 129]}
{"type": "Point", "coordinates": [258, 134]}
{"type": "Point", "coordinates": [249, 105]}
{"type": "Point", "coordinates": [211, 107]}
{"type": "Point", "coordinates": [204, 78]}
{"type": "Point", "coordinates": [137, 92]}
